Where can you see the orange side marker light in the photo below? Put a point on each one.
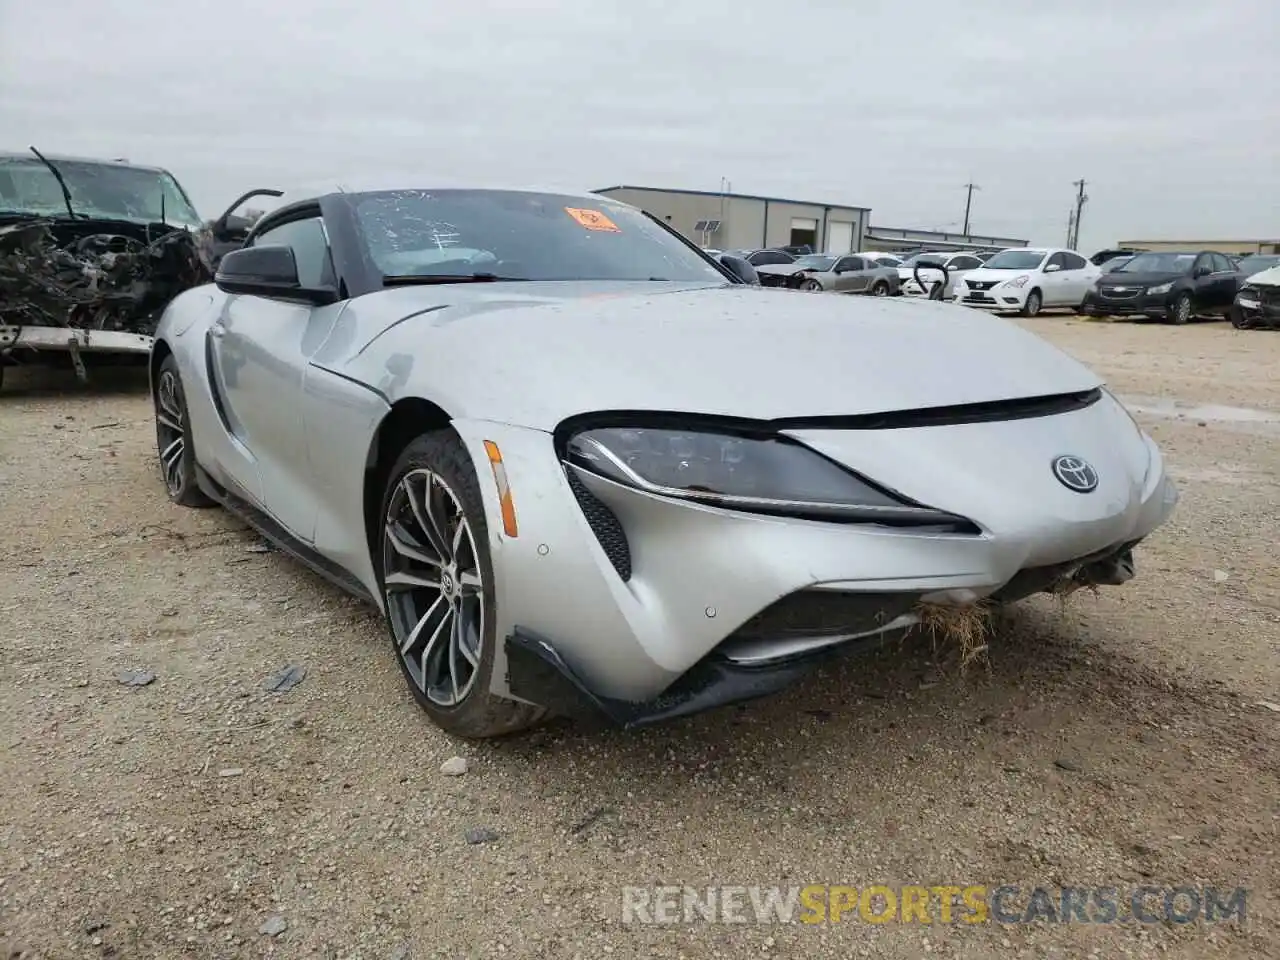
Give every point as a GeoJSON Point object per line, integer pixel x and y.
{"type": "Point", "coordinates": [504, 489]}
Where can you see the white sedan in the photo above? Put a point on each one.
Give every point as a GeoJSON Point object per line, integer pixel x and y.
{"type": "Point", "coordinates": [1024, 280]}
{"type": "Point", "coordinates": [957, 264]}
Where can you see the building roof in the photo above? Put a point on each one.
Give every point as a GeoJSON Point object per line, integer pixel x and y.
{"type": "Point", "coordinates": [928, 236]}
{"type": "Point", "coordinates": [734, 196]}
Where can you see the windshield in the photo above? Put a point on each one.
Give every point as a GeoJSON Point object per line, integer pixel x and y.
{"type": "Point", "coordinates": [1158, 263]}
{"type": "Point", "coordinates": [101, 190]}
{"type": "Point", "coordinates": [1256, 264]}
{"type": "Point", "coordinates": [1015, 260]}
{"type": "Point", "coordinates": [520, 235]}
{"type": "Point", "coordinates": [1114, 264]}
{"type": "Point", "coordinates": [816, 261]}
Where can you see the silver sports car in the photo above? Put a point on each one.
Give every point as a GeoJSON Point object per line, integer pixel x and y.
{"type": "Point", "coordinates": [582, 467]}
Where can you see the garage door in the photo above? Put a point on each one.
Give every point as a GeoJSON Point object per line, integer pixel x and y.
{"type": "Point", "coordinates": [804, 232]}
{"type": "Point", "coordinates": [839, 236]}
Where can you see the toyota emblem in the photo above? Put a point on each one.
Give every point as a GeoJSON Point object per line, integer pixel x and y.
{"type": "Point", "coordinates": [1075, 474]}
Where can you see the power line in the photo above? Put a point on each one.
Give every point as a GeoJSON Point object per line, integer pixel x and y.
{"type": "Point", "coordinates": [968, 204]}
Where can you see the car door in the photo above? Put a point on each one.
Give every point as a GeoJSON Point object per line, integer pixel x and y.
{"type": "Point", "coordinates": [1078, 275]}
{"type": "Point", "coordinates": [851, 275]}
{"type": "Point", "coordinates": [1226, 277]}
{"type": "Point", "coordinates": [1202, 283]}
{"type": "Point", "coordinates": [260, 350]}
{"type": "Point", "coordinates": [1055, 285]}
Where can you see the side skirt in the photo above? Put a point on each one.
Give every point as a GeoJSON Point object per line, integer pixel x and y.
{"type": "Point", "coordinates": [282, 539]}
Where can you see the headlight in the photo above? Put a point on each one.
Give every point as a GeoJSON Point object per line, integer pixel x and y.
{"type": "Point", "coordinates": [1017, 281]}
{"type": "Point", "coordinates": [761, 475]}
{"type": "Point", "coordinates": [1248, 291]}
{"type": "Point", "coordinates": [1162, 288]}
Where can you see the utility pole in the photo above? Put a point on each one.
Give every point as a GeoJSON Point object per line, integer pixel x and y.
{"type": "Point", "coordinates": [968, 204]}
{"type": "Point", "coordinates": [1081, 198]}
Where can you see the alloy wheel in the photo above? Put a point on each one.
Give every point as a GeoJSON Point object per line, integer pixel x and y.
{"type": "Point", "coordinates": [1182, 309]}
{"type": "Point", "coordinates": [813, 286]}
{"type": "Point", "coordinates": [171, 435]}
{"type": "Point", "coordinates": [434, 587]}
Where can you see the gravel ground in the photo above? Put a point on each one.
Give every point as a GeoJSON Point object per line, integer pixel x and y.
{"type": "Point", "coordinates": [1122, 740]}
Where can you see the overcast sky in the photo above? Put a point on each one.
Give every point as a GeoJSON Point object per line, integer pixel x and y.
{"type": "Point", "coordinates": [1170, 109]}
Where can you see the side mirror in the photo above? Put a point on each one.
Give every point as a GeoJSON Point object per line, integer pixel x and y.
{"type": "Point", "coordinates": [1052, 268]}
{"type": "Point", "coordinates": [1199, 272]}
{"type": "Point", "coordinates": [268, 271]}
{"type": "Point", "coordinates": [740, 269]}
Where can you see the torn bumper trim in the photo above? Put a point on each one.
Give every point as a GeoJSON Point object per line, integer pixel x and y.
{"type": "Point", "coordinates": [536, 672]}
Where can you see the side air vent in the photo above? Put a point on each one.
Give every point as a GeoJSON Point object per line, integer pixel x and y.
{"type": "Point", "coordinates": [604, 524]}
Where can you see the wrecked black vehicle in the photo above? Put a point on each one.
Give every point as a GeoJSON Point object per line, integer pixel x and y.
{"type": "Point", "coordinates": [92, 251]}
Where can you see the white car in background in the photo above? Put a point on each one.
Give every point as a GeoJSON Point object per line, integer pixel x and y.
{"type": "Point", "coordinates": [957, 264]}
{"type": "Point", "coordinates": [1027, 279]}
{"type": "Point", "coordinates": [882, 259]}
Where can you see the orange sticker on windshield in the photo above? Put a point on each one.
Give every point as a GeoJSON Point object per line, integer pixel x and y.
{"type": "Point", "coordinates": [592, 219]}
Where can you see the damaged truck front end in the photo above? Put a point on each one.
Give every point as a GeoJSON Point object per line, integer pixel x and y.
{"type": "Point", "coordinates": [91, 252]}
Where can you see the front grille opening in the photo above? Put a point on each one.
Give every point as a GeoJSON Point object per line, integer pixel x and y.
{"type": "Point", "coordinates": [604, 524]}
{"type": "Point", "coordinates": [824, 613]}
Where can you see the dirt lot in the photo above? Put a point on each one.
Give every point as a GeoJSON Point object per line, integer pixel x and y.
{"type": "Point", "coordinates": [1124, 741]}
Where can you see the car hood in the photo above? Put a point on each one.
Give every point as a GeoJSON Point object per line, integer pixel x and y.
{"type": "Point", "coordinates": [983, 275]}
{"type": "Point", "coordinates": [1267, 278]}
{"type": "Point", "coordinates": [1136, 279]}
{"type": "Point", "coordinates": [533, 354]}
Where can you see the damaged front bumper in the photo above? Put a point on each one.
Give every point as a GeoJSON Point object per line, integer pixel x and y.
{"type": "Point", "coordinates": [782, 644]}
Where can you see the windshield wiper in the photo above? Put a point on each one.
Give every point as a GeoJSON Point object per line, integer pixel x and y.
{"type": "Point", "coordinates": [404, 280]}
{"type": "Point", "coordinates": [57, 175]}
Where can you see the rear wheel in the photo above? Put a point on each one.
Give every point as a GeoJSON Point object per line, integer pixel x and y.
{"type": "Point", "coordinates": [438, 583]}
{"type": "Point", "coordinates": [879, 289]}
{"type": "Point", "coordinates": [1034, 302]}
{"type": "Point", "coordinates": [1180, 312]}
{"type": "Point", "coordinates": [173, 438]}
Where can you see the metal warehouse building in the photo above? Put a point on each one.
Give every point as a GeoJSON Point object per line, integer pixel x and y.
{"type": "Point", "coordinates": [733, 221]}
{"type": "Point", "coordinates": [739, 221]}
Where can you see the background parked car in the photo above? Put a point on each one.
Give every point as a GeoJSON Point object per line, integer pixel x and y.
{"type": "Point", "coordinates": [1026, 279]}
{"type": "Point", "coordinates": [1256, 263]}
{"type": "Point", "coordinates": [1257, 304]}
{"type": "Point", "coordinates": [1174, 286]}
{"type": "Point", "coordinates": [1102, 256]}
{"type": "Point", "coordinates": [957, 264]}
{"type": "Point", "coordinates": [882, 259]}
{"type": "Point", "coordinates": [1115, 263]}
{"type": "Point", "coordinates": [766, 257]}
{"type": "Point", "coordinates": [851, 273]}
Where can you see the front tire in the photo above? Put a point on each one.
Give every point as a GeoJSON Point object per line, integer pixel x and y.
{"type": "Point", "coordinates": [811, 286]}
{"type": "Point", "coordinates": [1180, 312]}
{"type": "Point", "coordinates": [173, 438]}
{"type": "Point", "coordinates": [1034, 302]}
{"type": "Point", "coordinates": [437, 580]}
